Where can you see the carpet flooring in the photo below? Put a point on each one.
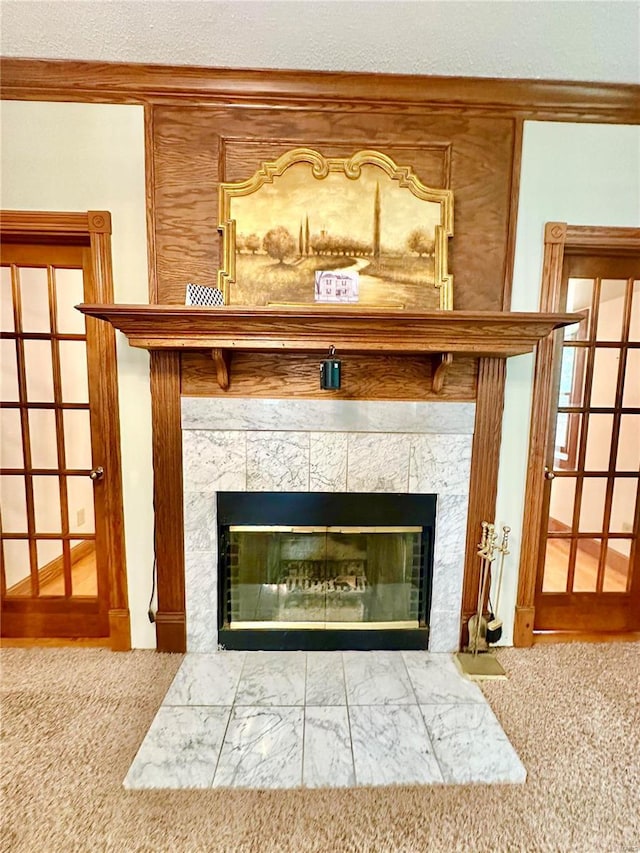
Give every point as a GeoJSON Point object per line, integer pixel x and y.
{"type": "Point", "coordinates": [72, 720]}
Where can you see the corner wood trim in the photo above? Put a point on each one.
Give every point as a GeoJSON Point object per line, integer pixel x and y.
{"type": "Point", "coordinates": [523, 627]}
{"type": "Point", "coordinates": [483, 486]}
{"type": "Point", "coordinates": [167, 498]}
{"type": "Point", "coordinates": [120, 630]}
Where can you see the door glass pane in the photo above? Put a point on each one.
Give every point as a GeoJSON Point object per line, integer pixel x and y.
{"type": "Point", "coordinates": [572, 376]}
{"type": "Point", "coordinates": [634, 332]}
{"type": "Point", "coordinates": [611, 310]}
{"type": "Point", "coordinates": [16, 567]}
{"type": "Point", "coordinates": [34, 299]}
{"type": "Point", "coordinates": [42, 438]}
{"type": "Point", "coordinates": [598, 443]}
{"type": "Point", "coordinates": [631, 392]}
{"type": "Point", "coordinates": [13, 501]}
{"type": "Point", "coordinates": [46, 501]}
{"type": "Point", "coordinates": [579, 298]}
{"type": "Point", "coordinates": [563, 492]}
{"type": "Point", "coordinates": [80, 497]}
{"type": "Point", "coordinates": [592, 506]}
{"type": "Point", "coordinates": [6, 301]}
{"type": "Point", "coordinates": [556, 565]}
{"type": "Point", "coordinates": [84, 577]}
{"type": "Point", "coordinates": [77, 438]}
{"type": "Point", "coordinates": [50, 567]}
{"type": "Point", "coordinates": [616, 572]}
{"type": "Point", "coordinates": [629, 444]}
{"type": "Point", "coordinates": [8, 372]}
{"type": "Point", "coordinates": [10, 439]}
{"type": "Point", "coordinates": [69, 293]}
{"type": "Point", "coordinates": [39, 371]}
{"type": "Point", "coordinates": [585, 576]}
{"type": "Point", "coordinates": [605, 377]}
{"type": "Point", "coordinates": [623, 506]}
{"type": "Point", "coordinates": [73, 367]}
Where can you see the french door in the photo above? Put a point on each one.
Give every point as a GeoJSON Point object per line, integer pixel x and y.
{"type": "Point", "coordinates": [588, 576]}
{"type": "Point", "coordinates": [56, 478]}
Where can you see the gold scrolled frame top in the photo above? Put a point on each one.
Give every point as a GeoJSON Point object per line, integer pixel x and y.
{"type": "Point", "coordinates": [321, 167]}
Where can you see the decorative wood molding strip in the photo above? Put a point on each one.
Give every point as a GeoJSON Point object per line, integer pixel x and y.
{"type": "Point", "coordinates": [36, 79]}
{"type": "Point", "coordinates": [349, 329]}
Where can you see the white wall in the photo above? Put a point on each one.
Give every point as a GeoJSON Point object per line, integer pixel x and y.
{"type": "Point", "coordinates": [583, 175]}
{"type": "Point", "coordinates": [80, 157]}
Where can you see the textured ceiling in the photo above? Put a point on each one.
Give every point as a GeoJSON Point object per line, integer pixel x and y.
{"type": "Point", "coordinates": [559, 39]}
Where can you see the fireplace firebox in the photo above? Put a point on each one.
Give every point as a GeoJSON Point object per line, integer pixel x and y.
{"type": "Point", "coordinates": [320, 570]}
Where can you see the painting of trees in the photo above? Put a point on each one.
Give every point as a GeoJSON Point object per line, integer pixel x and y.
{"type": "Point", "coordinates": [252, 243]}
{"type": "Point", "coordinates": [420, 242]}
{"type": "Point", "coordinates": [279, 244]}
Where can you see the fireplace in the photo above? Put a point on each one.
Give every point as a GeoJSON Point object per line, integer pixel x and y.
{"type": "Point", "coordinates": [322, 570]}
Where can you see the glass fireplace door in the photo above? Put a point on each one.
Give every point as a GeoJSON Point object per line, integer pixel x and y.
{"type": "Point", "coordinates": [297, 577]}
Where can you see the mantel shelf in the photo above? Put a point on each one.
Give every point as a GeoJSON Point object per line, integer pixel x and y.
{"type": "Point", "coordinates": [350, 329]}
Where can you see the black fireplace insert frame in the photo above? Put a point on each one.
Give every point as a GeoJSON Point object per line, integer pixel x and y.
{"type": "Point", "coordinates": [349, 509]}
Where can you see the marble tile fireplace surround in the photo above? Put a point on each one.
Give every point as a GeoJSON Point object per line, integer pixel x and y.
{"type": "Point", "coordinates": [272, 445]}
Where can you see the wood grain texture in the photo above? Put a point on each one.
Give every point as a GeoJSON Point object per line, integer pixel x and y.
{"type": "Point", "coordinates": [372, 377]}
{"type": "Point", "coordinates": [516, 167]}
{"type": "Point", "coordinates": [195, 149]}
{"type": "Point", "coordinates": [185, 201]}
{"type": "Point", "coordinates": [103, 386]}
{"type": "Point", "coordinates": [90, 232]}
{"type": "Point", "coordinates": [167, 499]}
{"type": "Point", "coordinates": [483, 486]}
{"type": "Point", "coordinates": [315, 328]}
{"type": "Point", "coordinates": [77, 80]}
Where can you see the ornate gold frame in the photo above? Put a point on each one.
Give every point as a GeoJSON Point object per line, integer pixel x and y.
{"type": "Point", "coordinates": [321, 168]}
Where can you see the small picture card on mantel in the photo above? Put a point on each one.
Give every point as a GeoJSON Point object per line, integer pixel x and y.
{"type": "Point", "coordinates": [337, 286]}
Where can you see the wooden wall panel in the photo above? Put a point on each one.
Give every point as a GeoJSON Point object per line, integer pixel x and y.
{"type": "Point", "coordinates": [194, 148]}
{"type": "Point", "coordinates": [185, 172]}
{"type": "Point", "coordinates": [372, 377]}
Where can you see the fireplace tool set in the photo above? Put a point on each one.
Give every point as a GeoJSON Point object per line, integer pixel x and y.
{"type": "Point", "coordinates": [482, 631]}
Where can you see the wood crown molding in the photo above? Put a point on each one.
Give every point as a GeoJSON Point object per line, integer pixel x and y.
{"type": "Point", "coordinates": [73, 80]}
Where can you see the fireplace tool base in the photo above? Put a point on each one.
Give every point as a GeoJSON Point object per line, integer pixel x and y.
{"type": "Point", "coordinates": [480, 667]}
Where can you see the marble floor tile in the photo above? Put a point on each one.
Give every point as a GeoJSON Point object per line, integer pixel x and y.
{"type": "Point", "coordinates": [436, 679]}
{"type": "Point", "coordinates": [470, 744]}
{"type": "Point", "coordinates": [262, 749]}
{"type": "Point", "coordinates": [328, 760]}
{"type": "Point", "coordinates": [272, 678]}
{"type": "Point", "coordinates": [325, 679]}
{"type": "Point", "coordinates": [391, 746]}
{"type": "Point", "coordinates": [180, 749]}
{"type": "Point", "coordinates": [377, 678]}
{"type": "Point", "coordinates": [206, 679]}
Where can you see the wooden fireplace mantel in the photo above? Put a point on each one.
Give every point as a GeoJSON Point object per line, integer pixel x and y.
{"type": "Point", "coordinates": [350, 329]}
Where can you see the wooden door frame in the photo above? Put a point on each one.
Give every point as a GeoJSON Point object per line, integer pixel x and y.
{"type": "Point", "coordinates": [560, 239]}
{"type": "Point", "coordinates": [93, 229]}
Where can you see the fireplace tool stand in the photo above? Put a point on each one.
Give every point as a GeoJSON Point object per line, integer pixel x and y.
{"type": "Point", "coordinates": [475, 662]}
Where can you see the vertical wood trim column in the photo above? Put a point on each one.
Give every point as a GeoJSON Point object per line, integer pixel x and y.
{"type": "Point", "coordinates": [167, 499]}
{"type": "Point", "coordinates": [105, 382]}
{"type": "Point", "coordinates": [554, 244]}
{"type": "Point", "coordinates": [483, 486]}
{"type": "Point", "coordinates": [514, 193]}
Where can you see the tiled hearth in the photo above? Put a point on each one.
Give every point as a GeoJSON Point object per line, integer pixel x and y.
{"type": "Point", "coordinates": [233, 444]}
{"type": "Point", "coordinates": [316, 719]}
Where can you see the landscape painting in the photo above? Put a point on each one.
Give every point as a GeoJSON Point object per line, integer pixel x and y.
{"type": "Point", "coordinates": [305, 214]}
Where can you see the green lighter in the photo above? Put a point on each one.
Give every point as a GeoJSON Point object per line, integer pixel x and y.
{"type": "Point", "coordinates": [330, 371]}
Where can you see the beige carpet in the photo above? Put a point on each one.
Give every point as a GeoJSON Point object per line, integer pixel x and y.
{"type": "Point", "coordinates": [74, 718]}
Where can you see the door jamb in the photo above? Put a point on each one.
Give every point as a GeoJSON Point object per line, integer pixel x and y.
{"type": "Point", "coordinates": [560, 239]}
{"type": "Point", "coordinates": [94, 228]}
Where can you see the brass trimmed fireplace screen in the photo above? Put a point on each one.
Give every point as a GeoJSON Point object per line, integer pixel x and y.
{"type": "Point", "coordinates": [324, 570]}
